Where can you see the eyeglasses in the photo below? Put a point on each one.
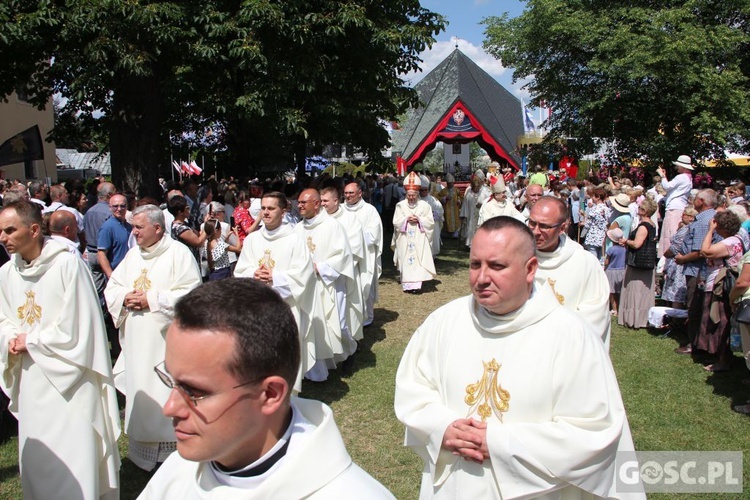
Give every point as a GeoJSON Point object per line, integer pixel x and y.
{"type": "Point", "coordinates": [188, 392]}
{"type": "Point", "coordinates": [542, 227]}
{"type": "Point", "coordinates": [115, 207]}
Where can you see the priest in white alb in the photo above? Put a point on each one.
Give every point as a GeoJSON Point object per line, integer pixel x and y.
{"type": "Point", "coordinates": [505, 393]}
{"type": "Point", "coordinates": [330, 200]}
{"type": "Point", "coordinates": [279, 257]}
{"type": "Point", "coordinates": [498, 204]}
{"type": "Point", "coordinates": [413, 226]}
{"type": "Point", "coordinates": [575, 276]}
{"type": "Point", "coordinates": [140, 296]}
{"type": "Point", "coordinates": [372, 228]}
{"type": "Point", "coordinates": [437, 213]}
{"type": "Point", "coordinates": [334, 277]}
{"type": "Point", "coordinates": [55, 364]}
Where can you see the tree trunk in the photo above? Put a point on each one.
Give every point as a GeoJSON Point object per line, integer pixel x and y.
{"type": "Point", "coordinates": [135, 135]}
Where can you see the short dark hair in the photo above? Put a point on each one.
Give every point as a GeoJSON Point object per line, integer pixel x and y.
{"type": "Point", "coordinates": [283, 202]}
{"type": "Point", "coordinates": [28, 211]}
{"type": "Point", "coordinates": [265, 332]}
{"type": "Point", "coordinates": [176, 204]}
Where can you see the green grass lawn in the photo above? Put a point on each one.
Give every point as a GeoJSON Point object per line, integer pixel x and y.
{"type": "Point", "coordinates": [672, 403]}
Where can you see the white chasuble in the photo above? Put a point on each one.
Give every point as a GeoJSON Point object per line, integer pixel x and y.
{"type": "Point", "coordinates": [470, 210]}
{"type": "Point", "coordinates": [329, 247]}
{"type": "Point", "coordinates": [372, 226]}
{"type": "Point", "coordinates": [356, 238]}
{"type": "Point", "coordinates": [578, 281]}
{"type": "Point", "coordinates": [540, 380]}
{"type": "Point", "coordinates": [316, 466]}
{"type": "Point", "coordinates": [437, 216]}
{"type": "Point", "coordinates": [286, 254]}
{"type": "Point", "coordinates": [166, 271]}
{"type": "Point", "coordinates": [412, 252]}
{"type": "Point", "coordinates": [61, 390]}
{"type": "Point", "coordinates": [494, 208]}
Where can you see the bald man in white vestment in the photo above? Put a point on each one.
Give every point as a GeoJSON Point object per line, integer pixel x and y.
{"type": "Point", "coordinates": [334, 273]}
{"type": "Point", "coordinates": [575, 276]}
{"type": "Point", "coordinates": [507, 394]}
{"type": "Point", "coordinates": [55, 363]}
{"type": "Point", "coordinates": [140, 295]}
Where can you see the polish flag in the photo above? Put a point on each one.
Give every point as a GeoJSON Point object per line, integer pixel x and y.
{"type": "Point", "coordinates": [176, 167]}
{"type": "Point", "coordinates": [186, 168]}
{"type": "Point", "coordinates": [195, 168]}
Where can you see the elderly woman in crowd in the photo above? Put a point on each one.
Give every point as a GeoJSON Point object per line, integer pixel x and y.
{"type": "Point", "coordinates": [675, 288]}
{"type": "Point", "coordinates": [713, 336]}
{"type": "Point", "coordinates": [638, 286]}
{"type": "Point", "coordinates": [596, 223]}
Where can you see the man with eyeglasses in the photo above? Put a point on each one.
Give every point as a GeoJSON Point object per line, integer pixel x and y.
{"type": "Point", "coordinates": [112, 242]}
{"type": "Point", "coordinates": [575, 276]}
{"type": "Point", "coordinates": [334, 284]}
{"type": "Point", "coordinates": [140, 295]}
{"type": "Point", "coordinates": [240, 433]}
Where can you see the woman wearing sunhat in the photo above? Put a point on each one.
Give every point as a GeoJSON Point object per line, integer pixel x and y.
{"type": "Point", "coordinates": [678, 194]}
{"type": "Point", "coordinates": [621, 216]}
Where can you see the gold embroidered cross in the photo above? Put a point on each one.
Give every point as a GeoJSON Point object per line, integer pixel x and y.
{"type": "Point", "coordinates": [310, 244]}
{"type": "Point", "coordinates": [487, 395]}
{"type": "Point", "coordinates": [29, 312]}
{"type": "Point", "coordinates": [142, 284]}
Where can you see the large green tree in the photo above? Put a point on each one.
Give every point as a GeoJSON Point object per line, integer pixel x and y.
{"type": "Point", "coordinates": [274, 76]}
{"type": "Point", "coordinates": [660, 78]}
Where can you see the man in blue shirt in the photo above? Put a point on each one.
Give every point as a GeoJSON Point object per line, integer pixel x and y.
{"type": "Point", "coordinates": [693, 264]}
{"type": "Point", "coordinates": [92, 223]}
{"type": "Point", "coordinates": [112, 241]}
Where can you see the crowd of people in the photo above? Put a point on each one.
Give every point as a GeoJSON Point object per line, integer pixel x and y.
{"type": "Point", "coordinates": [107, 291]}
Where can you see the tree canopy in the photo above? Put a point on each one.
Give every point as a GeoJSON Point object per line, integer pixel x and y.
{"type": "Point", "coordinates": [660, 78]}
{"type": "Point", "coordinates": [274, 77]}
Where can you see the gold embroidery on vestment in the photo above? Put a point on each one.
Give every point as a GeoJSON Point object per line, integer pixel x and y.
{"type": "Point", "coordinates": [560, 297]}
{"type": "Point", "coordinates": [487, 395]}
{"type": "Point", "coordinates": [310, 244]}
{"type": "Point", "coordinates": [142, 284]}
{"type": "Point", "coordinates": [29, 312]}
{"type": "Point", "coordinates": [266, 261]}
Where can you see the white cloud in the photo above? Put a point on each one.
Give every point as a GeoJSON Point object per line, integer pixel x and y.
{"type": "Point", "coordinates": [441, 50]}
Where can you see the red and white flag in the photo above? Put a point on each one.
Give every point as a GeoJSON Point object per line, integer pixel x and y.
{"type": "Point", "coordinates": [176, 167]}
{"type": "Point", "coordinates": [195, 168]}
{"type": "Point", "coordinates": [186, 168]}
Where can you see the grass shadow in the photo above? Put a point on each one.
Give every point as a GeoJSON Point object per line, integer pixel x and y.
{"type": "Point", "coordinates": [730, 383]}
{"type": "Point", "coordinates": [9, 472]}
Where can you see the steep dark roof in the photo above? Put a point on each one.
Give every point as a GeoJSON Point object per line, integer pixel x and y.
{"type": "Point", "coordinates": [456, 79]}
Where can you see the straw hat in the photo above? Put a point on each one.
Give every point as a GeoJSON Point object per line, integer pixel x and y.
{"type": "Point", "coordinates": [683, 161]}
{"type": "Point", "coordinates": [620, 203]}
